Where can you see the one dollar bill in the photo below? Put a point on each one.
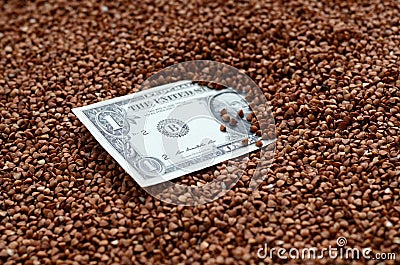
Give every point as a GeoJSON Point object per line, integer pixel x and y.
{"type": "Point", "coordinates": [168, 131]}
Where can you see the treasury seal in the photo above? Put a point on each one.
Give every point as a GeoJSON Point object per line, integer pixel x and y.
{"type": "Point", "coordinates": [173, 128]}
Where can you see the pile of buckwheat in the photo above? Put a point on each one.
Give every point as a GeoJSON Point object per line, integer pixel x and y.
{"type": "Point", "coordinates": [329, 69]}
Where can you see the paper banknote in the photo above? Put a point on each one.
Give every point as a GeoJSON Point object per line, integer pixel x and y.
{"type": "Point", "coordinates": [168, 131]}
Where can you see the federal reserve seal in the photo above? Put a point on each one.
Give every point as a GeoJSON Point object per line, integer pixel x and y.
{"type": "Point", "coordinates": [173, 128]}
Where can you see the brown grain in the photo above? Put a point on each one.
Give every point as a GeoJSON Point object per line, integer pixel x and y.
{"type": "Point", "coordinates": [329, 70]}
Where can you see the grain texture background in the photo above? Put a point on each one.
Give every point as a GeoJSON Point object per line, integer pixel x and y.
{"type": "Point", "coordinates": [330, 70]}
